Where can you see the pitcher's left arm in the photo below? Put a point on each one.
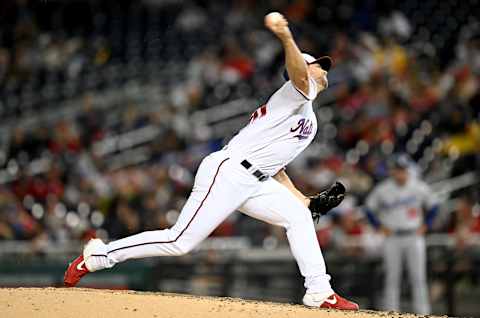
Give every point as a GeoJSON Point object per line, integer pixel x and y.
{"type": "Point", "coordinates": [320, 203]}
{"type": "Point", "coordinates": [284, 179]}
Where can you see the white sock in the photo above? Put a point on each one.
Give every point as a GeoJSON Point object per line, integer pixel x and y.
{"type": "Point", "coordinates": [95, 255]}
{"type": "Point", "coordinates": [322, 295]}
{"type": "Point", "coordinates": [96, 263]}
{"type": "Point", "coordinates": [318, 285]}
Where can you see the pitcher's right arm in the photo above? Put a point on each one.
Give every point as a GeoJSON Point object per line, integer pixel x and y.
{"type": "Point", "coordinates": [295, 63]}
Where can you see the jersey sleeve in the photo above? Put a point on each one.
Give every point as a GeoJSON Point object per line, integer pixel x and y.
{"type": "Point", "coordinates": [373, 201]}
{"type": "Point", "coordinates": [289, 96]}
{"type": "Point", "coordinates": [429, 198]}
{"type": "Point", "coordinates": [312, 89]}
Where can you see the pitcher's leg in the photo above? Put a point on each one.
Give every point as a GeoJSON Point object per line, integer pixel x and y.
{"type": "Point", "coordinates": [214, 197]}
{"type": "Point", "coordinates": [178, 240]}
{"type": "Point", "coordinates": [392, 263]}
{"type": "Point", "coordinates": [276, 205]}
{"type": "Point", "coordinates": [416, 262]}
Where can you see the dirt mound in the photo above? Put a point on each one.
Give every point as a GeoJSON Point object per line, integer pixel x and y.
{"type": "Point", "coordinates": [90, 303]}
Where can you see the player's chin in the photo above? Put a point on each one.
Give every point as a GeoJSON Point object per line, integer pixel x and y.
{"type": "Point", "coordinates": [322, 84]}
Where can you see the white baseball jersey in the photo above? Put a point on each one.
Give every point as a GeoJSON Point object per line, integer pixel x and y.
{"type": "Point", "coordinates": [401, 207]}
{"type": "Point", "coordinates": [279, 130]}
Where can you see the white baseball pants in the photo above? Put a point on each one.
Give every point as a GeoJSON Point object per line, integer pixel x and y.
{"type": "Point", "coordinates": [222, 186]}
{"type": "Point", "coordinates": [412, 250]}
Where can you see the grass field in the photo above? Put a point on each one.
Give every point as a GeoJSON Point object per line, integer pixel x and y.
{"type": "Point", "coordinates": [90, 303]}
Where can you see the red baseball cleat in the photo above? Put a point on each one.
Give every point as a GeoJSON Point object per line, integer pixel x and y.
{"type": "Point", "coordinates": [333, 301]}
{"type": "Point", "coordinates": [75, 271]}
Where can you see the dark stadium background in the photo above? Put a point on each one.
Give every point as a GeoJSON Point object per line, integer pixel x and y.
{"type": "Point", "coordinates": [107, 108]}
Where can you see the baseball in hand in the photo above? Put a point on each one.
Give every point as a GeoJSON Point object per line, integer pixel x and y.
{"type": "Point", "coordinates": [273, 18]}
{"type": "Point", "coordinates": [277, 24]}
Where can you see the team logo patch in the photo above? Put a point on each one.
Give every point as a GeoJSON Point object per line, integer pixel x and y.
{"type": "Point", "coordinates": [304, 129]}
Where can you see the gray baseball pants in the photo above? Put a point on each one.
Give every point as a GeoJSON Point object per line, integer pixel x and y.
{"type": "Point", "coordinates": [410, 249]}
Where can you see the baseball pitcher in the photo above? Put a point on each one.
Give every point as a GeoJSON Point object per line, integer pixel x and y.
{"type": "Point", "coordinates": [248, 175]}
{"type": "Point", "coordinates": [399, 202]}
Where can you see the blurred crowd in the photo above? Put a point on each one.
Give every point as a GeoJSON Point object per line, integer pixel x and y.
{"type": "Point", "coordinates": [395, 87]}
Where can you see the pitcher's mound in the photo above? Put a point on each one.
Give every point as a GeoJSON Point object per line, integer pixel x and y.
{"type": "Point", "coordinates": [92, 303]}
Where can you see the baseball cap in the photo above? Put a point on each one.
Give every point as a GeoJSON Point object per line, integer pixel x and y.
{"type": "Point", "coordinates": [324, 61]}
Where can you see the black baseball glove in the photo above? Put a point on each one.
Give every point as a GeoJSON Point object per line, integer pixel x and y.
{"type": "Point", "coordinates": [326, 200]}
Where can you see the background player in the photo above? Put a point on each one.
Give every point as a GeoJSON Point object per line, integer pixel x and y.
{"type": "Point", "coordinates": [247, 175]}
{"type": "Point", "coordinates": [399, 202]}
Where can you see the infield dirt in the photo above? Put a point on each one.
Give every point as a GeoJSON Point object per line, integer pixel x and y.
{"type": "Point", "coordinates": [92, 303]}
